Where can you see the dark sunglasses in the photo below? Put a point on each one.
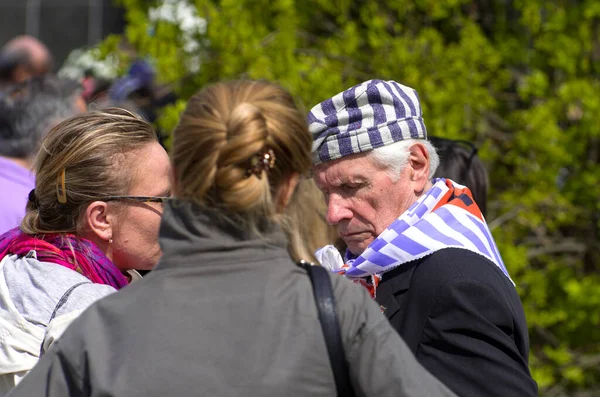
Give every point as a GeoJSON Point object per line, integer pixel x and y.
{"type": "Point", "coordinates": [444, 144]}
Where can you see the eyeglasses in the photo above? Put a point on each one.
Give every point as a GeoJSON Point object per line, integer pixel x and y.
{"type": "Point", "coordinates": [140, 199]}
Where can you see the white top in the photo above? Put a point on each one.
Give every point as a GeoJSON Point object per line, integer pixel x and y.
{"type": "Point", "coordinates": [38, 300]}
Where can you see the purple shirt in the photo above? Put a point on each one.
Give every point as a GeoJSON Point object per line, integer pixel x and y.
{"type": "Point", "coordinates": [15, 184]}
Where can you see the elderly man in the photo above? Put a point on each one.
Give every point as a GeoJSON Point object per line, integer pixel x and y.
{"type": "Point", "coordinates": [27, 111]}
{"type": "Point", "coordinates": [420, 246]}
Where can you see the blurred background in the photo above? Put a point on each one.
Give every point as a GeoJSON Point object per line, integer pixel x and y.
{"type": "Point", "coordinates": [518, 78]}
{"type": "Point", "coordinates": [62, 25]}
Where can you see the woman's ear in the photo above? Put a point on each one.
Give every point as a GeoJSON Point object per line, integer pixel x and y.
{"type": "Point", "coordinates": [286, 191]}
{"type": "Point", "coordinates": [419, 162]}
{"type": "Point", "coordinates": [98, 221]}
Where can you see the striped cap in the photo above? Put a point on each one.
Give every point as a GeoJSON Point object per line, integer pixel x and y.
{"type": "Point", "coordinates": [372, 114]}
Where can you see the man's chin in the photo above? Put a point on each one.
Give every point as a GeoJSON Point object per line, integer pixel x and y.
{"type": "Point", "coordinates": [358, 247]}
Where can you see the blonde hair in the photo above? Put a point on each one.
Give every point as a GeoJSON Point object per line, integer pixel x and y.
{"type": "Point", "coordinates": [224, 127]}
{"type": "Point", "coordinates": [306, 227]}
{"type": "Point", "coordinates": [88, 150]}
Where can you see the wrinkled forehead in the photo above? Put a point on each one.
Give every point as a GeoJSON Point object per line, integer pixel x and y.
{"type": "Point", "coordinates": [351, 169]}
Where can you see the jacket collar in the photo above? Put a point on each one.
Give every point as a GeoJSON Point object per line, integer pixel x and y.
{"type": "Point", "coordinates": [393, 283]}
{"type": "Point", "coordinates": [190, 231]}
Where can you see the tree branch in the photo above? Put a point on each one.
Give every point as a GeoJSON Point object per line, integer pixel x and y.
{"type": "Point", "coordinates": [507, 216]}
{"type": "Point", "coordinates": [562, 247]}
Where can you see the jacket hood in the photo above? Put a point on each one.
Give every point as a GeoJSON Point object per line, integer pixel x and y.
{"type": "Point", "coordinates": [188, 230]}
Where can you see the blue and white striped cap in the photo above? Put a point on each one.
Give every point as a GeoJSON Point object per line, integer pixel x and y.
{"type": "Point", "coordinates": [372, 114]}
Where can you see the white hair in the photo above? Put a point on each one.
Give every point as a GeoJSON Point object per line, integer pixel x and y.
{"type": "Point", "coordinates": [394, 157]}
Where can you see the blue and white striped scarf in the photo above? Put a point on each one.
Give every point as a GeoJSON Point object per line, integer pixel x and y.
{"type": "Point", "coordinates": [445, 216]}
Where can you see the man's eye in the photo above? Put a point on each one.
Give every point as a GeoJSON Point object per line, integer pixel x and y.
{"type": "Point", "coordinates": [348, 188]}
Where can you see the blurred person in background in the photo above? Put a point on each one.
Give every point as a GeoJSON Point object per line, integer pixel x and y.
{"type": "Point", "coordinates": [227, 312]}
{"type": "Point", "coordinates": [27, 112]}
{"type": "Point", "coordinates": [22, 58]}
{"type": "Point", "coordinates": [138, 92]}
{"type": "Point", "coordinates": [459, 161]}
{"type": "Point", "coordinates": [101, 181]}
{"type": "Point", "coordinates": [421, 247]}
{"type": "Point", "coordinates": [139, 87]}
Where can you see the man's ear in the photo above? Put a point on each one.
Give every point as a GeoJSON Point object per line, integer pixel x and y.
{"type": "Point", "coordinates": [98, 221]}
{"type": "Point", "coordinates": [419, 162]}
{"type": "Point", "coordinates": [286, 191]}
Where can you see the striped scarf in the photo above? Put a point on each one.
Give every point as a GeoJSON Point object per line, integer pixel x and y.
{"type": "Point", "coordinates": [446, 216]}
{"type": "Point", "coordinates": [66, 250]}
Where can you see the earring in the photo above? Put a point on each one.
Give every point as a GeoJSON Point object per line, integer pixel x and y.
{"type": "Point", "coordinates": [110, 240]}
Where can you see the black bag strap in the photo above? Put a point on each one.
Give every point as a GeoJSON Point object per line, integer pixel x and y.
{"type": "Point", "coordinates": [61, 302]}
{"type": "Point", "coordinates": [325, 303]}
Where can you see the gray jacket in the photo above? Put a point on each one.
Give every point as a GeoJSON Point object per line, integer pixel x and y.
{"type": "Point", "coordinates": [224, 315]}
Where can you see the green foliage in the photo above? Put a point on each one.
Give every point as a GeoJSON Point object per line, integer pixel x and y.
{"type": "Point", "coordinates": [519, 78]}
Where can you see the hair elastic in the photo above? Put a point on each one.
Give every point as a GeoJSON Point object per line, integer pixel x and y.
{"type": "Point", "coordinates": [33, 199]}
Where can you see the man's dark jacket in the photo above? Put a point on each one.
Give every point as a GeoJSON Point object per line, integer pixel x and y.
{"type": "Point", "coordinates": [463, 320]}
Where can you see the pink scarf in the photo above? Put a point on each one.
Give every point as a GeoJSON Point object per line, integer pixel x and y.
{"type": "Point", "coordinates": [66, 250]}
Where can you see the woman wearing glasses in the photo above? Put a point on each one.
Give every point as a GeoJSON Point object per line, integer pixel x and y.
{"type": "Point", "coordinates": [92, 218]}
{"type": "Point", "coordinates": [226, 312]}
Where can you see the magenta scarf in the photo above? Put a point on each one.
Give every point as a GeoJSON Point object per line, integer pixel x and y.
{"type": "Point", "coordinates": [66, 250]}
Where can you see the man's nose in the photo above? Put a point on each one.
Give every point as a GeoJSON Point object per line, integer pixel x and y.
{"type": "Point", "coordinates": [337, 210]}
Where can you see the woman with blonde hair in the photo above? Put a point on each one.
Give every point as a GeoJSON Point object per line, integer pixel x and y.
{"type": "Point", "coordinates": [227, 312]}
{"type": "Point", "coordinates": [92, 218]}
{"type": "Point", "coordinates": [305, 224]}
